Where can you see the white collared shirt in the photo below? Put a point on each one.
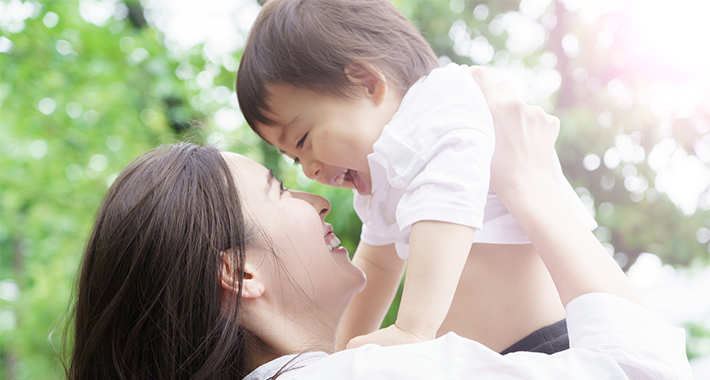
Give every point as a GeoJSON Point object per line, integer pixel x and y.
{"type": "Point", "coordinates": [610, 338]}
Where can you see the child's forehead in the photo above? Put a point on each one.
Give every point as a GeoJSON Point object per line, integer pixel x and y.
{"type": "Point", "coordinates": [280, 90]}
{"type": "Point", "coordinates": [281, 116]}
{"type": "Point", "coordinates": [286, 105]}
{"type": "Point", "coordinates": [287, 93]}
{"type": "Point", "coordinates": [274, 134]}
{"type": "Point", "coordinates": [278, 103]}
{"type": "Point", "coordinates": [282, 102]}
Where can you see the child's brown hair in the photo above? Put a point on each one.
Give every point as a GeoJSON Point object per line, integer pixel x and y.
{"type": "Point", "coordinates": [309, 44]}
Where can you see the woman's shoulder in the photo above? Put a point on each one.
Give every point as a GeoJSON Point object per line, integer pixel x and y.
{"type": "Point", "coordinates": [426, 360]}
{"type": "Point", "coordinates": [285, 364]}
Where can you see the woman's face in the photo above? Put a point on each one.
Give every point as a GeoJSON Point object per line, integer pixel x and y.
{"type": "Point", "coordinates": [307, 269]}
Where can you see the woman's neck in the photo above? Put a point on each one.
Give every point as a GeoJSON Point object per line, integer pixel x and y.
{"type": "Point", "coordinates": [286, 336]}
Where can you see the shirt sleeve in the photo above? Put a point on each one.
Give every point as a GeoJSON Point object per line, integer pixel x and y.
{"type": "Point", "coordinates": [370, 233]}
{"type": "Point", "coordinates": [374, 236]}
{"type": "Point", "coordinates": [644, 346]}
{"type": "Point", "coordinates": [451, 184]}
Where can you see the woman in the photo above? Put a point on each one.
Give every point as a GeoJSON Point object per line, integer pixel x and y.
{"type": "Point", "coordinates": [201, 265]}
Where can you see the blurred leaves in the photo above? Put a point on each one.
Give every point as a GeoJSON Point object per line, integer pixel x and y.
{"type": "Point", "coordinates": [80, 99]}
{"type": "Point", "coordinates": [698, 336]}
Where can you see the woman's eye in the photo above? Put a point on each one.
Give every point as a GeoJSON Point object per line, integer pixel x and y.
{"type": "Point", "coordinates": [296, 161]}
{"type": "Point", "coordinates": [300, 142]}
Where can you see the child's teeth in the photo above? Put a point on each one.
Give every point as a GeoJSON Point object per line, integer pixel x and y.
{"type": "Point", "coordinates": [340, 178]}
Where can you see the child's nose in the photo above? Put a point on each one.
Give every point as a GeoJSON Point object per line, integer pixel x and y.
{"type": "Point", "coordinates": [312, 169]}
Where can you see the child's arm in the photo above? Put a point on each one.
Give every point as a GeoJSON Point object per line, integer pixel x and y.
{"type": "Point", "coordinates": [521, 176]}
{"type": "Point", "coordinates": [368, 308]}
{"type": "Point", "coordinates": [437, 255]}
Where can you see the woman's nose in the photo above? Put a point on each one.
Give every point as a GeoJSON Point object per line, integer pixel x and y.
{"type": "Point", "coordinates": [321, 204]}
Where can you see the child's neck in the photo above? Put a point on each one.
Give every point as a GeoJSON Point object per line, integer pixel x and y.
{"type": "Point", "coordinates": [391, 104]}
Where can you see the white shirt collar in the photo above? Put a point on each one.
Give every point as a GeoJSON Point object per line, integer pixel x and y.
{"type": "Point", "coordinates": [295, 361]}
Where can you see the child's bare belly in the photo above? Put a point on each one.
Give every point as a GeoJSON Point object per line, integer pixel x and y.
{"type": "Point", "coordinates": [504, 294]}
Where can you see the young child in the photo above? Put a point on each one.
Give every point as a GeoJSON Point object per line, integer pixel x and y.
{"type": "Point", "coordinates": [351, 91]}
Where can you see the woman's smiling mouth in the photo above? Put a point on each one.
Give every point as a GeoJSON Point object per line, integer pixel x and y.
{"type": "Point", "coordinates": [331, 241]}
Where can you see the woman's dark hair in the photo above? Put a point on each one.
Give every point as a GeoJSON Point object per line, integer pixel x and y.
{"type": "Point", "coordinates": [150, 303]}
{"type": "Point", "coordinates": [309, 43]}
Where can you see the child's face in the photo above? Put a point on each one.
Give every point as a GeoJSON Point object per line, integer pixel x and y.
{"type": "Point", "coordinates": [329, 136]}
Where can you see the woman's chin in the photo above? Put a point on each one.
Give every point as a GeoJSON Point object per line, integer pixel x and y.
{"type": "Point", "coordinates": [362, 282]}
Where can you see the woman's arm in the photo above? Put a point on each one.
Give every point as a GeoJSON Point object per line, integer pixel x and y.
{"type": "Point", "coordinates": [521, 176]}
{"type": "Point", "coordinates": [366, 312]}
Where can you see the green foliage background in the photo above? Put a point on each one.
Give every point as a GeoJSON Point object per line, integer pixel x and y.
{"type": "Point", "coordinates": [78, 101]}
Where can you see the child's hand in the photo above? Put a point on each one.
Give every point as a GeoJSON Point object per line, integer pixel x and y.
{"type": "Point", "coordinates": [389, 336]}
{"type": "Point", "coordinates": [525, 136]}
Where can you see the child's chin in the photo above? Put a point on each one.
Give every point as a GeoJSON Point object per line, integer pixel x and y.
{"type": "Point", "coordinates": [362, 191]}
{"type": "Point", "coordinates": [351, 186]}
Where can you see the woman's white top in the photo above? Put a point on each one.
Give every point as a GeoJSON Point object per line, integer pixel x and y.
{"type": "Point", "coordinates": [610, 338]}
{"type": "Point", "coordinates": [432, 162]}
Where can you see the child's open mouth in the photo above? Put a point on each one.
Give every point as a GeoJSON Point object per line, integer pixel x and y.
{"type": "Point", "coordinates": [353, 177]}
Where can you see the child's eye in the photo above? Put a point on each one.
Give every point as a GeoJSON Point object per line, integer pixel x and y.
{"type": "Point", "coordinates": [300, 142]}
{"type": "Point", "coordinates": [282, 188]}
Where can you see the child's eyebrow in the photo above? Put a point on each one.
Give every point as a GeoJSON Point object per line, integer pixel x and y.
{"type": "Point", "coordinates": [286, 127]}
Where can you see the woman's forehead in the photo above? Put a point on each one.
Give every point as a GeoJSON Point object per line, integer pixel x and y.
{"type": "Point", "coordinates": [242, 164]}
{"type": "Point", "coordinates": [253, 180]}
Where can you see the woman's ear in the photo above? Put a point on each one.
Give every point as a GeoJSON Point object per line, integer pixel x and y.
{"type": "Point", "coordinates": [252, 287]}
{"type": "Point", "coordinates": [373, 80]}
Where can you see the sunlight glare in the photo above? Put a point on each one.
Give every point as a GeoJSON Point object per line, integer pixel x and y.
{"type": "Point", "coordinates": [673, 31]}
{"type": "Point", "coordinates": [684, 178]}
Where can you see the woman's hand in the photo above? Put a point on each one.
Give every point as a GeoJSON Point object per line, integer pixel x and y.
{"type": "Point", "coordinates": [521, 176]}
{"type": "Point", "coordinates": [525, 137]}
